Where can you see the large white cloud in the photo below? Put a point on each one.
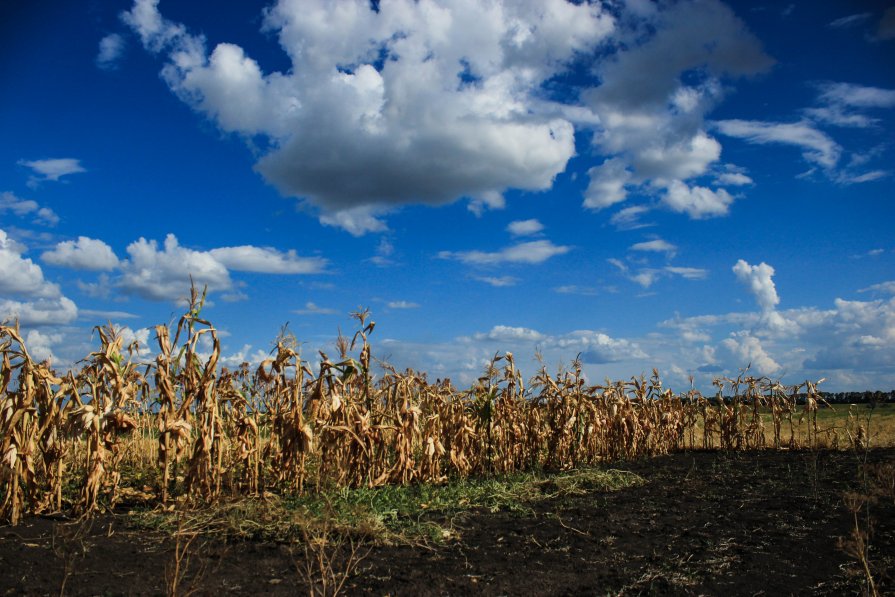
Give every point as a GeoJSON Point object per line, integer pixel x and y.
{"type": "Point", "coordinates": [42, 311]}
{"type": "Point", "coordinates": [21, 276]}
{"type": "Point", "coordinates": [759, 279]}
{"type": "Point", "coordinates": [24, 292]}
{"type": "Point", "coordinates": [653, 97]}
{"type": "Point", "coordinates": [164, 273]}
{"type": "Point", "coordinates": [428, 102]}
{"type": "Point", "coordinates": [84, 253]}
{"type": "Point", "coordinates": [421, 102]}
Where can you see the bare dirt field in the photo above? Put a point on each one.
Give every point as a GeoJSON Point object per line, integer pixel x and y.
{"type": "Point", "coordinates": [702, 523]}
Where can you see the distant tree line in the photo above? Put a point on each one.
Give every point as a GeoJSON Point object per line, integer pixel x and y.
{"type": "Point", "coordinates": [867, 397]}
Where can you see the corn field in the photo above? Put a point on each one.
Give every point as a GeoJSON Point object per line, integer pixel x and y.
{"type": "Point", "coordinates": [182, 429]}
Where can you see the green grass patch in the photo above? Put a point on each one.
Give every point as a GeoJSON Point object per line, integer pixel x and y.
{"type": "Point", "coordinates": [391, 514]}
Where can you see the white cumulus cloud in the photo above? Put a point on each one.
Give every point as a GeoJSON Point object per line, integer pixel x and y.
{"type": "Point", "coordinates": [505, 333]}
{"type": "Point", "coordinates": [748, 350]}
{"type": "Point", "coordinates": [84, 253]}
{"type": "Point", "coordinates": [40, 344]}
{"type": "Point", "coordinates": [21, 276]}
{"type": "Point", "coordinates": [760, 281]}
{"type": "Point", "coordinates": [391, 106]}
{"type": "Point", "coordinates": [651, 122]}
{"type": "Point", "coordinates": [36, 301]}
{"type": "Point", "coordinates": [698, 202]}
{"type": "Point", "coordinates": [164, 274]}
{"type": "Point", "coordinates": [57, 310]}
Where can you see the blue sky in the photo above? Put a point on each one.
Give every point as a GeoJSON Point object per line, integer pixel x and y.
{"type": "Point", "coordinates": [693, 186]}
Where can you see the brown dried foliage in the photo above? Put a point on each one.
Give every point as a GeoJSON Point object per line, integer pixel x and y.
{"type": "Point", "coordinates": [189, 430]}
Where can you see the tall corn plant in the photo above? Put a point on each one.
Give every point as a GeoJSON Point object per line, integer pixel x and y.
{"type": "Point", "coordinates": [197, 382]}
{"type": "Point", "coordinates": [187, 399]}
{"type": "Point", "coordinates": [110, 383]}
{"type": "Point", "coordinates": [19, 424]}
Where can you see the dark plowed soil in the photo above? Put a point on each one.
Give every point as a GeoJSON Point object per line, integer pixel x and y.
{"type": "Point", "coordinates": [710, 523]}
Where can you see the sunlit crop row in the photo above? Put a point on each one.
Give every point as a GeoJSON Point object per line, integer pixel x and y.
{"type": "Point", "coordinates": [183, 428]}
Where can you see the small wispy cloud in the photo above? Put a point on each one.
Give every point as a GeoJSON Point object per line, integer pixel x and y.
{"type": "Point", "coordinates": [656, 246]}
{"type": "Point", "coordinates": [525, 227]}
{"type": "Point", "coordinates": [94, 314]}
{"type": "Point", "coordinates": [384, 251]}
{"type": "Point", "coordinates": [733, 179]}
{"type": "Point", "coordinates": [498, 281]}
{"type": "Point", "coordinates": [532, 252]}
{"type": "Point", "coordinates": [884, 287]}
{"type": "Point", "coordinates": [26, 207]}
{"type": "Point", "coordinates": [52, 169]}
{"type": "Point", "coordinates": [647, 276]}
{"type": "Point", "coordinates": [111, 48]}
{"type": "Point", "coordinates": [842, 104]}
{"type": "Point", "coordinates": [629, 218]}
{"type": "Point", "coordinates": [846, 178]}
{"type": "Point", "coordinates": [689, 273]}
{"type": "Point", "coordinates": [816, 146]}
{"type": "Point", "coordinates": [886, 27]}
{"type": "Point", "coordinates": [314, 309]}
{"type": "Point", "coordinates": [575, 289]}
{"type": "Point", "coordinates": [402, 305]}
{"type": "Point", "coordinates": [849, 21]}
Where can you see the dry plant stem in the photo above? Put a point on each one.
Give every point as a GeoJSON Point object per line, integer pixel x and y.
{"type": "Point", "coordinates": [331, 557]}
{"type": "Point", "coordinates": [857, 545]}
{"type": "Point", "coordinates": [178, 567]}
{"type": "Point", "coordinates": [68, 544]}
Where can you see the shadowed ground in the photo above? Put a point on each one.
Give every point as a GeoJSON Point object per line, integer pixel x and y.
{"type": "Point", "coordinates": [714, 523]}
